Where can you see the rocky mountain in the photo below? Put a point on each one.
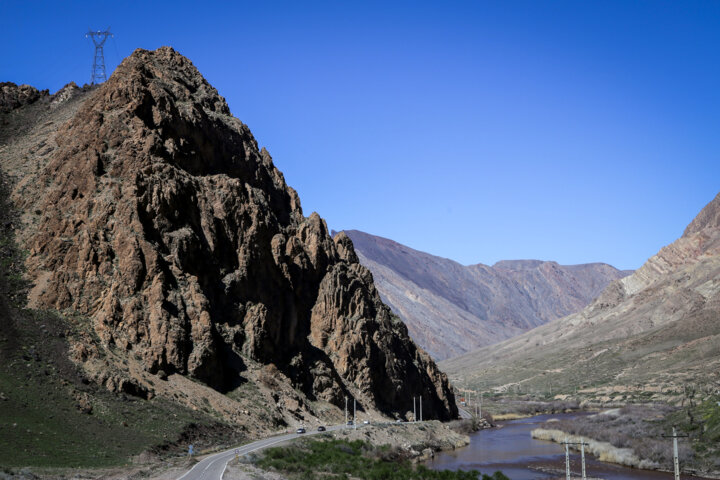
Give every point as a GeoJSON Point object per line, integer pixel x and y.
{"type": "Point", "coordinates": [451, 309]}
{"type": "Point", "coordinates": [160, 230]}
{"type": "Point", "coordinates": [653, 333]}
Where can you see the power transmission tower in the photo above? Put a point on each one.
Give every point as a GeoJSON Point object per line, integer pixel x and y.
{"type": "Point", "coordinates": [98, 74]}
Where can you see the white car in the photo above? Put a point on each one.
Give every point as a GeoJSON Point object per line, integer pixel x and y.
{"type": "Point", "coordinates": [366, 422]}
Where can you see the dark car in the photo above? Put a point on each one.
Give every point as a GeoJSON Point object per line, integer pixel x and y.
{"type": "Point", "coordinates": [300, 430]}
{"type": "Point", "coordinates": [350, 422]}
{"type": "Point", "coordinates": [321, 428]}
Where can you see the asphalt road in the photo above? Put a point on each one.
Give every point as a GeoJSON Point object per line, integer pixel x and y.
{"type": "Point", "coordinates": [213, 467]}
{"type": "Point", "coordinates": [464, 414]}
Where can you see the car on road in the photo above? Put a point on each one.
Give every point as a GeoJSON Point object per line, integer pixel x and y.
{"type": "Point", "coordinates": [399, 420]}
{"type": "Point", "coordinates": [366, 422]}
{"type": "Point", "coordinates": [300, 430]}
{"type": "Point", "coordinates": [321, 428]}
{"type": "Point", "coordinates": [350, 422]}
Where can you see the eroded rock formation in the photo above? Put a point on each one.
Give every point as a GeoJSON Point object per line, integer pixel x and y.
{"type": "Point", "coordinates": [158, 216]}
{"type": "Point", "coordinates": [13, 96]}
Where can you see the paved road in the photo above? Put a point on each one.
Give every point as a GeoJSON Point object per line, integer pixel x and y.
{"type": "Point", "coordinates": [213, 467]}
{"type": "Point", "coordinates": [464, 414]}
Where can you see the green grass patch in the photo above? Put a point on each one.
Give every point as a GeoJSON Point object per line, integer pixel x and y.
{"type": "Point", "coordinates": [41, 425]}
{"type": "Point", "coordinates": [328, 458]}
{"type": "Point", "coordinates": [51, 416]}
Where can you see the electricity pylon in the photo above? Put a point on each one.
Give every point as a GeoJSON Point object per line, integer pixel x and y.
{"type": "Point", "coordinates": [98, 74]}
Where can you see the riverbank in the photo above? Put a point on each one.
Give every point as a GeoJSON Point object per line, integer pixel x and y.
{"type": "Point", "coordinates": [634, 436]}
{"type": "Point", "coordinates": [513, 408]}
{"type": "Point", "coordinates": [513, 450]}
{"type": "Point", "coordinates": [419, 441]}
{"type": "Point", "coordinates": [371, 451]}
{"type": "Point", "coordinates": [603, 451]}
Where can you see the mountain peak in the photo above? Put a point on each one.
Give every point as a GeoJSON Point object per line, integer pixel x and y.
{"type": "Point", "coordinates": [167, 69]}
{"type": "Point", "coordinates": [167, 227]}
{"type": "Point", "coordinates": [709, 217]}
{"type": "Point", "coordinates": [518, 264]}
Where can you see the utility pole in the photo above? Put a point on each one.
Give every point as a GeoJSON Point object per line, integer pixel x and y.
{"type": "Point", "coordinates": [480, 407]}
{"type": "Point", "coordinates": [98, 74]}
{"type": "Point", "coordinates": [567, 459]}
{"type": "Point", "coordinates": [676, 461]}
{"type": "Point", "coordinates": [355, 413]}
{"type": "Point", "coordinates": [414, 411]}
{"type": "Point", "coordinates": [345, 410]}
{"type": "Point", "coordinates": [420, 408]}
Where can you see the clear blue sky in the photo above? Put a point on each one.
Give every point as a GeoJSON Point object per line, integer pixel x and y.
{"type": "Point", "coordinates": [574, 131]}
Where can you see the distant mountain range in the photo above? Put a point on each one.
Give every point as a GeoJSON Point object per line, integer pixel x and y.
{"type": "Point", "coordinates": [451, 309]}
{"type": "Point", "coordinates": [650, 335]}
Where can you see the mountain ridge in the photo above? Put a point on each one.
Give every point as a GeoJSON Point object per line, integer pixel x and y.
{"type": "Point", "coordinates": [656, 328]}
{"type": "Point", "coordinates": [452, 308]}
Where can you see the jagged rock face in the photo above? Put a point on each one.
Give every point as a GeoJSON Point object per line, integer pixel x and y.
{"type": "Point", "coordinates": [164, 222]}
{"type": "Point", "coordinates": [13, 96]}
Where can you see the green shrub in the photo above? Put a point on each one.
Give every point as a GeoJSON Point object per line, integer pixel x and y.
{"type": "Point", "coordinates": [339, 458]}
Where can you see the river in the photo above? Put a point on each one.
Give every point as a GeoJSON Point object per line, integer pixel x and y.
{"type": "Point", "coordinates": [512, 450]}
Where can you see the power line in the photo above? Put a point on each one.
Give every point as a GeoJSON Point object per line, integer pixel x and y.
{"type": "Point", "coordinates": [98, 73]}
{"type": "Point", "coordinates": [117, 52]}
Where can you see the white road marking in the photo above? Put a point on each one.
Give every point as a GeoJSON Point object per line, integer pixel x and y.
{"type": "Point", "coordinates": [243, 450]}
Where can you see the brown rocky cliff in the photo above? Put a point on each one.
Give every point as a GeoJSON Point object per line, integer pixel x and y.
{"type": "Point", "coordinates": [165, 223]}
{"type": "Point", "coordinates": [14, 96]}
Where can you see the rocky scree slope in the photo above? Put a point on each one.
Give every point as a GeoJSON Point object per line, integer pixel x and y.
{"type": "Point", "coordinates": [153, 213]}
{"type": "Point", "coordinates": [650, 335]}
{"type": "Point", "coordinates": [451, 309]}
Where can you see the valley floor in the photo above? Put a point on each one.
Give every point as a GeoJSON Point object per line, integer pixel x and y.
{"type": "Point", "coordinates": [405, 442]}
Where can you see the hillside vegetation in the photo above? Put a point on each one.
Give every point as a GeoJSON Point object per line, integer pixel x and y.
{"type": "Point", "coordinates": [326, 458]}
{"type": "Point", "coordinates": [51, 415]}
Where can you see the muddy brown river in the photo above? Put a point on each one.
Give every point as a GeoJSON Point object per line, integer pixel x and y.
{"type": "Point", "coordinates": [513, 451]}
